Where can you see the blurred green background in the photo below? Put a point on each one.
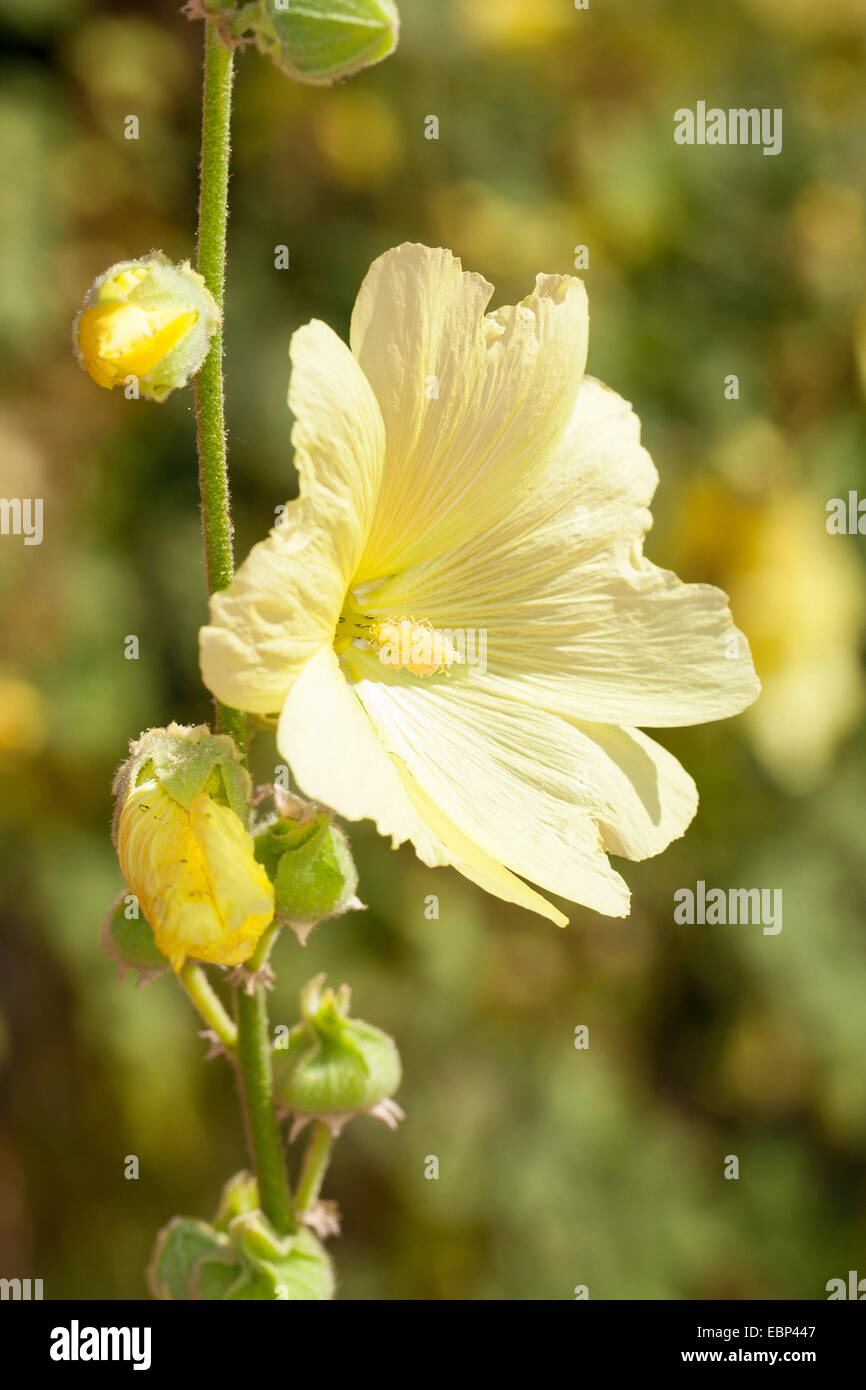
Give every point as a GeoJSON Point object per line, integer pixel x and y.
{"type": "Point", "coordinates": [557, 1167]}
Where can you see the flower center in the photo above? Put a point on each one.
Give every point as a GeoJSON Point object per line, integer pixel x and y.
{"type": "Point", "coordinates": [403, 643]}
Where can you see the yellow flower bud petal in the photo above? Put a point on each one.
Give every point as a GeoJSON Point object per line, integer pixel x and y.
{"type": "Point", "coordinates": [123, 283]}
{"type": "Point", "coordinates": [195, 876]}
{"type": "Point", "coordinates": [118, 339]}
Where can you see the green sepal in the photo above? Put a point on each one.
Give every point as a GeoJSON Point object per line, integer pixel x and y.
{"type": "Point", "coordinates": [186, 760]}
{"type": "Point", "coordinates": [215, 1277]}
{"type": "Point", "coordinates": [239, 1196]}
{"type": "Point", "coordinates": [254, 1237]}
{"type": "Point", "coordinates": [130, 943]}
{"type": "Point", "coordinates": [291, 1268]}
{"type": "Point", "coordinates": [179, 1247]}
{"type": "Point", "coordinates": [306, 1274]}
{"type": "Point", "coordinates": [301, 1271]}
{"type": "Point", "coordinates": [231, 1281]}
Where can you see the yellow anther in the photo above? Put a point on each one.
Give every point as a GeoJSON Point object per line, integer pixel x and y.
{"type": "Point", "coordinates": [401, 643]}
{"type": "Point", "coordinates": [416, 647]}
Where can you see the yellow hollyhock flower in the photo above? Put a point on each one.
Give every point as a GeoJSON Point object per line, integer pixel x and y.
{"type": "Point", "coordinates": [460, 476]}
{"type": "Point", "coordinates": [184, 850]}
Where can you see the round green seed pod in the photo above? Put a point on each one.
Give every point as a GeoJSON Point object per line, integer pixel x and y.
{"type": "Point", "coordinates": [329, 1063]}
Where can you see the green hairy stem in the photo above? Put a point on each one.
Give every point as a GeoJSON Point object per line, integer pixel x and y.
{"type": "Point", "coordinates": [252, 1046]}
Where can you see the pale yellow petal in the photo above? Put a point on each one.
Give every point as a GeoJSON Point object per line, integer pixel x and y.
{"type": "Point", "coordinates": [338, 759]}
{"type": "Point", "coordinates": [470, 860]}
{"type": "Point", "coordinates": [286, 597]}
{"type": "Point", "coordinates": [161, 862]}
{"type": "Point", "coordinates": [194, 874]}
{"type": "Point", "coordinates": [575, 618]}
{"type": "Point", "coordinates": [280, 608]}
{"type": "Point", "coordinates": [338, 437]}
{"type": "Point", "coordinates": [506, 775]}
{"type": "Point", "coordinates": [473, 404]}
{"type": "Point", "coordinates": [241, 889]}
{"type": "Point", "coordinates": [637, 792]}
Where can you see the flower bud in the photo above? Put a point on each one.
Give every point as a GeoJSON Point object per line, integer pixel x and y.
{"type": "Point", "coordinates": [246, 1260]}
{"type": "Point", "coordinates": [311, 867]}
{"type": "Point", "coordinates": [319, 41]}
{"type": "Point", "coordinates": [332, 1066]}
{"type": "Point", "coordinates": [184, 849]}
{"type": "Point", "coordinates": [256, 1263]}
{"type": "Point", "coordinates": [149, 319]}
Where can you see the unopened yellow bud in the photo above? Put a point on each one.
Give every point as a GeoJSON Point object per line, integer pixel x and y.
{"type": "Point", "coordinates": [149, 321]}
{"type": "Point", "coordinates": [186, 853]}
